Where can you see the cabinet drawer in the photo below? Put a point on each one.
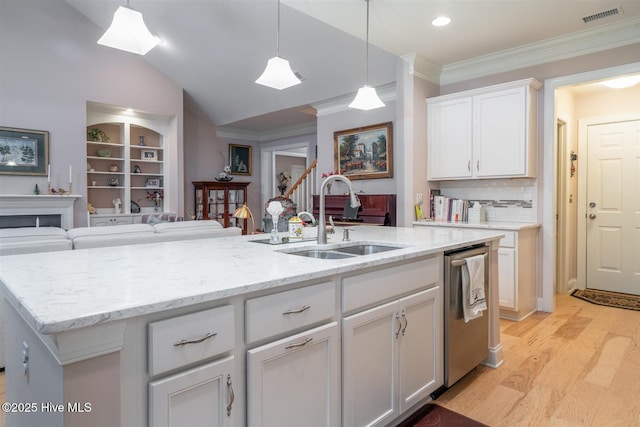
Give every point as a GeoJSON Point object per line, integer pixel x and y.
{"type": "Point", "coordinates": [274, 314]}
{"type": "Point", "coordinates": [509, 240]}
{"type": "Point", "coordinates": [190, 338]}
{"type": "Point", "coordinates": [365, 289]}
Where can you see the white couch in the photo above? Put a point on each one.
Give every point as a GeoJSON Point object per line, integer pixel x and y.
{"type": "Point", "coordinates": [45, 239]}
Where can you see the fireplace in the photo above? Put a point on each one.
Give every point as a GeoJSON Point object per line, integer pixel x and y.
{"type": "Point", "coordinates": [43, 210]}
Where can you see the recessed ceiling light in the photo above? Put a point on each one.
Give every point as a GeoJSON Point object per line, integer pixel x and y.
{"type": "Point", "coordinates": [441, 21]}
{"type": "Point", "coordinates": [129, 111]}
{"type": "Point", "coordinates": [622, 82]}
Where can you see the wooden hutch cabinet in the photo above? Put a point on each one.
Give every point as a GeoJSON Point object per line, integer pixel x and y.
{"type": "Point", "coordinates": [218, 200]}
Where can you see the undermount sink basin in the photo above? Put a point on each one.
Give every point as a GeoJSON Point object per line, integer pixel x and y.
{"type": "Point", "coordinates": [344, 251]}
{"type": "Point", "coordinates": [321, 254]}
{"type": "Point", "coordinates": [367, 249]}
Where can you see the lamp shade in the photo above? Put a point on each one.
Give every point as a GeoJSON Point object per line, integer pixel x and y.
{"type": "Point", "coordinates": [278, 74]}
{"type": "Point", "coordinates": [366, 99]}
{"type": "Point", "coordinates": [128, 32]}
{"type": "Point", "coordinates": [243, 212]}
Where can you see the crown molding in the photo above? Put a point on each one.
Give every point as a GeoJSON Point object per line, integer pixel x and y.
{"type": "Point", "coordinates": [423, 67]}
{"type": "Point", "coordinates": [386, 92]}
{"type": "Point", "coordinates": [604, 37]}
{"type": "Point", "coordinates": [270, 135]}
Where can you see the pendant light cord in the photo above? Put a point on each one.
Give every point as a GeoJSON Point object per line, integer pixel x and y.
{"type": "Point", "coordinates": [367, 50]}
{"type": "Point", "coordinates": [278, 32]}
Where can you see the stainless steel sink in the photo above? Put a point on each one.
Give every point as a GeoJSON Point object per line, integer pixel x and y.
{"type": "Point", "coordinates": [342, 251]}
{"type": "Point", "coordinates": [366, 249]}
{"type": "Point", "coordinates": [322, 254]}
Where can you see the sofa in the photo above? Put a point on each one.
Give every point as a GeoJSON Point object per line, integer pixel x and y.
{"type": "Point", "coordinates": [46, 239]}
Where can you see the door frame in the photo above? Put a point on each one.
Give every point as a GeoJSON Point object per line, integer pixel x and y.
{"type": "Point", "coordinates": [583, 127]}
{"type": "Point", "coordinates": [562, 257]}
{"type": "Point", "coordinates": [547, 171]}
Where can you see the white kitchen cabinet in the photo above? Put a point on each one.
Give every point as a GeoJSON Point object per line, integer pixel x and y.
{"type": "Point", "coordinates": [517, 273]}
{"type": "Point", "coordinates": [198, 396]}
{"type": "Point", "coordinates": [202, 396]}
{"type": "Point", "coordinates": [392, 358]}
{"type": "Point", "coordinates": [483, 133]}
{"type": "Point", "coordinates": [295, 381]}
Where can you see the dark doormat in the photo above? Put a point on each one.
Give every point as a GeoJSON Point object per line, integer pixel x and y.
{"type": "Point", "coordinates": [611, 299]}
{"type": "Point", "coordinates": [432, 415]}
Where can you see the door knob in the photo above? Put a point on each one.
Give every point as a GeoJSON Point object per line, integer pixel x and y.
{"type": "Point", "coordinates": [592, 216]}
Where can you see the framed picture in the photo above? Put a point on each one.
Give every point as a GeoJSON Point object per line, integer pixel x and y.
{"type": "Point", "coordinates": [148, 155]}
{"type": "Point", "coordinates": [366, 152]}
{"type": "Point", "coordinates": [23, 151]}
{"type": "Point", "coordinates": [240, 159]}
{"type": "Point", "coordinates": [153, 182]}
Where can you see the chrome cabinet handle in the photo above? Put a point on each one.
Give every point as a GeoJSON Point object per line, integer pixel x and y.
{"type": "Point", "coordinates": [592, 216]}
{"type": "Point", "coordinates": [469, 166]}
{"type": "Point", "coordinates": [478, 166]}
{"type": "Point", "coordinates": [399, 325]}
{"type": "Point", "coordinates": [196, 341]}
{"type": "Point", "coordinates": [299, 310]}
{"type": "Point", "coordinates": [300, 344]}
{"type": "Point", "coordinates": [232, 395]}
{"type": "Point", "coordinates": [406, 321]}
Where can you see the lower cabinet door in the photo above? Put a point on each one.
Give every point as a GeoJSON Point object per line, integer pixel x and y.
{"type": "Point", "coordinates": [295, 381]}
{"type": "Point", "coordinates": [202, 396]}
{"type": "Point", "coordinates": [421, 343]}
{"type": "Point", "coordinates": [507, 292]}
{"type": "Point", "coordinates": [369, 355]}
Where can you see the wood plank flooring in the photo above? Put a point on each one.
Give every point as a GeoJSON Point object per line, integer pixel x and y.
{"type": "Point", "coordinates": [578, 366]}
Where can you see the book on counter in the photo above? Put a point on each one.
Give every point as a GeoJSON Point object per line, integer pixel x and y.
{"type": "Point", "coordinates": [447, 209]}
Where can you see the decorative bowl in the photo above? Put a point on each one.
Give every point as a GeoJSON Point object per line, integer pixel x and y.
{"type": "Point", "coordinates": [227, 179]}
{"type": "Point", "coordinates": [104, 153]}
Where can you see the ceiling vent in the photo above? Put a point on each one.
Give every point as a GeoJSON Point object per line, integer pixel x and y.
{"type": "Point", "coordinates": [601, 15]}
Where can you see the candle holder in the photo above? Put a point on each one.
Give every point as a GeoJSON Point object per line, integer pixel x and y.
{"type": "Point", "coordinates": [70, 188]}
{"type": "Point", "coordinates": [48, 187]}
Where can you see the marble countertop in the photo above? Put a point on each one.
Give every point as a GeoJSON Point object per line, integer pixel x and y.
{"type": "Point", "coordinates": [492, 225]}
{"type": "Point", "coordinates": [61, 291]}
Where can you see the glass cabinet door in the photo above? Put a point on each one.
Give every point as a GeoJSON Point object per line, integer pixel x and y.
{"type": "Point", "coordinates": [199, 204]}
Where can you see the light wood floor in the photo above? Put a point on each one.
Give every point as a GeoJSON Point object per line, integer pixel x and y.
{"type": "Point", "coordinates": [578, 366]}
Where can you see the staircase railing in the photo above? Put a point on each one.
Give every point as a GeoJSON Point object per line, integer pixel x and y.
{"type": "Point", "coordinates": [300, 191]}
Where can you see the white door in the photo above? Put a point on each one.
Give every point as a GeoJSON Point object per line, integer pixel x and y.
{"type": "Point", "coordinates": [613, 207]}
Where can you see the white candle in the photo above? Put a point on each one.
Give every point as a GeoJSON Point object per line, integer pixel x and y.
{"type": "Point", "coordinates": [70, 180]}
{"type": "Point", "coordinates": [48, 173]}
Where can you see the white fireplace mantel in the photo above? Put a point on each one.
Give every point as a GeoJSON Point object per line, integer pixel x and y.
{"type": "Point", "coordinates": [43, 204]}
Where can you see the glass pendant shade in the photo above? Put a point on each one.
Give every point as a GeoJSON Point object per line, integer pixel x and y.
{"type": "Point", "coordinates": [278, 74]}
{"type": "Point", "coordinates": [366, 99]}
{"type": "Point", "coordinates": [128, 32]}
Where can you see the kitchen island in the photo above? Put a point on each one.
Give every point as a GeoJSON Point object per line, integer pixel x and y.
{"type": "Point", "coordinates": [114, 336]}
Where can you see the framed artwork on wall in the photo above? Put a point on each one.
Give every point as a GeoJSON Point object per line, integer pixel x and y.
{"type": "Point", "coordinates": [365, 152]}
{"type": "Point", "coordinates": [148, 155]}
{"type": "Point", "coordinates": [24, 151]}
{"type": "Point", "coordinates": [240, 159]}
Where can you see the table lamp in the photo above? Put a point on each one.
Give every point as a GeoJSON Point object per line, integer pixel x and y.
{"type": "Point", "coordinates": [243, 212]}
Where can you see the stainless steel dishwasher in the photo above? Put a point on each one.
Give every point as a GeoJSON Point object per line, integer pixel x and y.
{"type": "Point", "coordinates": [466, 345]}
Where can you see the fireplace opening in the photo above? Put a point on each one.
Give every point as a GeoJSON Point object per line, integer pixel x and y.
{"type": "Point", "coordinates": [16, 221]}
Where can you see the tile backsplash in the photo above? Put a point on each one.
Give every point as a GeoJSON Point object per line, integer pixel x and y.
{"type": "Point", "coordinates": [504, 199]}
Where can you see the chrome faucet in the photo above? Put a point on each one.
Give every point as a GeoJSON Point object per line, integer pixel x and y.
{"type": "Point", "coordinates": [355, 202]}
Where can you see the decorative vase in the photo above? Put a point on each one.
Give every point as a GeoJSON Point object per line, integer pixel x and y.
{"type": "Point", "coordinates": [282, 189]}
{"type": "Point", "coordinates": [156, 207]}
{"type": "Point", "coordinates": [329, 188]}
{"type": "Point", "coordinates": [141, 141]}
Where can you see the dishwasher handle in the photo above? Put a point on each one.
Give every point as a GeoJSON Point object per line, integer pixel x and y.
{"type": "Point", "coordinates": [462, 261]}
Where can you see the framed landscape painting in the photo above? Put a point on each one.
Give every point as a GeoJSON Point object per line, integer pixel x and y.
{"type": "Point", "coordinates": [366, 152]}
{"type": "Point", "coordinates": [23, 151]}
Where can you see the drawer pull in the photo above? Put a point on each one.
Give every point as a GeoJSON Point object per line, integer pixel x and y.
{"type": "Point", "coordinates": [232, 395]}
{"type": "Point", "coordinates": [300, 344]}
{"type": "Point", "coordinates": [197, 341]}
{"type": "Point", "coordinates": [299, 310]}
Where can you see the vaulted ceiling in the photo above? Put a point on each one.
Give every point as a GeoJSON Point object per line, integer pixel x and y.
{"type": "Point", "coordinates": [215, 49]}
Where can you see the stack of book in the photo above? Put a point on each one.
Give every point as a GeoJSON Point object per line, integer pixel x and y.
{"type": "Point", "coordinates": [450, 210]}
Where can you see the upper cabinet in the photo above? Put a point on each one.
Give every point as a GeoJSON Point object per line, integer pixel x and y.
{"type": "Point", "coordinates": [483, 133]}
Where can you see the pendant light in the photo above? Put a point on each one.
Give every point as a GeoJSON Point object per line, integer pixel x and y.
{"type": "Point", "coordinates": [128, 32]}
{"type": "Point", "coordinates": [278, 73]}
{"type": "Point", "coordinates": [367, 98]}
